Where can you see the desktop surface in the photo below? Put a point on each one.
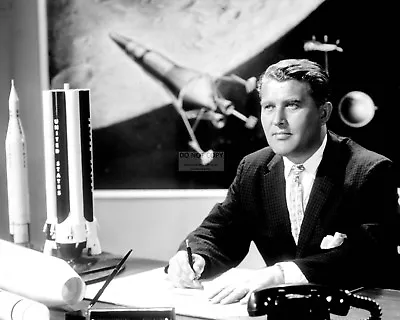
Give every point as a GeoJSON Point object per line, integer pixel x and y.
{"type": "Point", "coordinates": [388, 299]}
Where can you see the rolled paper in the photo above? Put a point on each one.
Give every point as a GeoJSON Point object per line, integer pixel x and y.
{"type": "Point", "coordinates": [40, 277]}
{"type": "Point", "coordinates": [16, 307]}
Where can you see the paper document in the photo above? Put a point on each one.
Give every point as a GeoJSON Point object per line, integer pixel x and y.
{"type": "Point", "coordinates": [152, 289]}
{"type": "Point", "coordinates": [16, 307]}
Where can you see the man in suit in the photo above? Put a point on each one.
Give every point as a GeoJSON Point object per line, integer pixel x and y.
{"type": "Point", "coordinates": [330, 222]}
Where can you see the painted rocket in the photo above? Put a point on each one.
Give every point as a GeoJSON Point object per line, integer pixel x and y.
{"type": "Point", "coordinates": [193, 90]}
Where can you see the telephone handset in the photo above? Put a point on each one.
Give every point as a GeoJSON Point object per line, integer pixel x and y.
{"type": "Point", "coordinates": [307, 301]}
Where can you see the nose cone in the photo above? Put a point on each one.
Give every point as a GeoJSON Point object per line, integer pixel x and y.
{"type": "Point", "coordinates": [119, 39]}
{"type": "Point", "coordinates": [130, 46]}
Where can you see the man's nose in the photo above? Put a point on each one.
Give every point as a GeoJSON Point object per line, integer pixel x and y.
{"type": "Point", "coordinates": [279, 117]}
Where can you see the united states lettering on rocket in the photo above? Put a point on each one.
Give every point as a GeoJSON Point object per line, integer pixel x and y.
{"type": "Point", "coordinates": [71, 225]}
{"type": "Point", "coordinates": [17, 174]}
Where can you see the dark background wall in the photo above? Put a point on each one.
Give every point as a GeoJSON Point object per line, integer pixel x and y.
{"type": "Point", "coordinates": [367, 31]}
{"type": "Point", "coordinates": [369, 63]}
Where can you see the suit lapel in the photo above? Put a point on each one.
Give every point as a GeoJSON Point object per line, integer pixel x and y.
{"type": "Point", "coordinates": [321, 191]}
{"type": "Point", "coordinates": [275, 195]}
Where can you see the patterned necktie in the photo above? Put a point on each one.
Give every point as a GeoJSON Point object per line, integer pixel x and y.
{"type": "Point", "coordinates": [296, 210]}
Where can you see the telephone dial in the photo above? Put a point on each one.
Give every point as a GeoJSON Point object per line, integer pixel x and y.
{"type": "Point", "coordinates": [308, 302]}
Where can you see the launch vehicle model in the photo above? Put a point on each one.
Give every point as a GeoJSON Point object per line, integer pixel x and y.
{"type": "Point", "coordinates": [70, 226]}
{"type": "Point", "coordinates": [17, 174]}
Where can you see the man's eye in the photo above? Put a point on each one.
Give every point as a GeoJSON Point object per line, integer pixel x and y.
{"type": "Point", "coordinates": [268, 107]}
{"type": "Point", "coordinates": [293, 106]}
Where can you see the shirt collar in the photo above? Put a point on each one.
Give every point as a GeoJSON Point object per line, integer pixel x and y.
{"type": "Point", "coordinates": [311, 164]}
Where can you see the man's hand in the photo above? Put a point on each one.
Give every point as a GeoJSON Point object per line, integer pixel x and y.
{"type": "Point", "coordinates": [181, 274]}
{"type": "Point", "coordinates": [227, 289]}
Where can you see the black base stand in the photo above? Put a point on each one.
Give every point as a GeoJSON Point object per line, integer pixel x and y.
{"type": "Point", "coordinates": [95, 268]}
{"type": "Point", "coordinates": [92, 268]}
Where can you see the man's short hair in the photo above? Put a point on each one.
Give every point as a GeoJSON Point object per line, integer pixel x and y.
{"type": "Point", "coordinates": [303, 70]}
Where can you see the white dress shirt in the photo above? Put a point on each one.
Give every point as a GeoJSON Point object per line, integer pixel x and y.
{"type": "Point", "coordinates": [291, 272]}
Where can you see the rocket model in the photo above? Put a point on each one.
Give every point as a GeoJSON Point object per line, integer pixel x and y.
{"type": "Point", "coordinates": [325, 47]}
{"type": "Point", "coordinates": [17, 174]}
{"type": "Point", "coordinates": [70, 226]}
{"type": "Point", "coordinates": [197, 95]}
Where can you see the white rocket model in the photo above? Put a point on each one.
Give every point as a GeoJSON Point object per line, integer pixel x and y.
{"type": "Point", "coordinates": [70, 226]}
{"type": "Point", "coordinates": [17, 174]}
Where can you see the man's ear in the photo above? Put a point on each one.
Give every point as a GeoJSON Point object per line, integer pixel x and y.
{"type": "Point", "coordinates": [325, 112]}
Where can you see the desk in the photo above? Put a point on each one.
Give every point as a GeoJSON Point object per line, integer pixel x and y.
{"type": "Point", "coordinates": [389, 300]}
{"type": "Point", "coordinates": [133, 266]}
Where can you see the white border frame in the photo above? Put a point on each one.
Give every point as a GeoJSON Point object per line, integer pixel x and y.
{"type": "Point", "coordinates": [159, 194]}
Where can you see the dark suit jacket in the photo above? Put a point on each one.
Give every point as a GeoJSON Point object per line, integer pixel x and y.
{"type": "Point", "coordinates": [354, 193]}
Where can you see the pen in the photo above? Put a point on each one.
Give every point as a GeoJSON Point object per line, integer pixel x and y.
{"type": "Point", "coordinates": [189, 254]}
{"type": "Point", "coordinates": [109, 279]}
{"type": "Point", "coordinates": [190, 259]}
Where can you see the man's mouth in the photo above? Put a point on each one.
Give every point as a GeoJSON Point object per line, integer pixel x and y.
{"type": "Point", "coordinates": [283, 135]}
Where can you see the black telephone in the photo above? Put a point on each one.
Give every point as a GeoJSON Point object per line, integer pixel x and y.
{"type": "Point", "coordinates": [308, 302]}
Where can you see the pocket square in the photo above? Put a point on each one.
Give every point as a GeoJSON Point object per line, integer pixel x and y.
{"type": "Point", "coordinates": [330, 242]}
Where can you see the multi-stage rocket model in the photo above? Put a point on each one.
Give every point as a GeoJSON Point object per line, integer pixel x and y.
{"type": "Point", "coordinates": [197, 95]}
{"type": "Point", "coordinates": [17, 174]}
{"type": "Point", "coordinates": [71, 225]}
